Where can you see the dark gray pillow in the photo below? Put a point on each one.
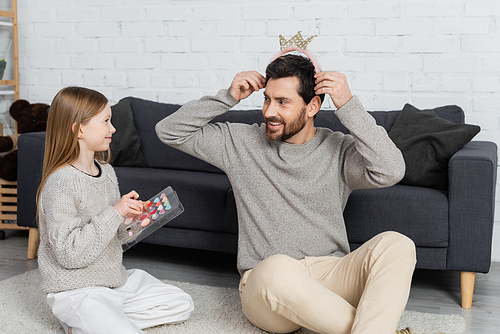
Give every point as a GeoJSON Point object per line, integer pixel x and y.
{"type": "Point", "coordinates": [125, 144]}
{"type": "Point", "coordinates": [427, 143]}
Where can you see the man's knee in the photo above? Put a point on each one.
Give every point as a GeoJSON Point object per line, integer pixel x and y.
{"type": "Point", "coordinates": [276, 272]}
{"type": "Point", "coordinates": [275, 278]}
{"type": "Point", "coordinates": [399, 244]}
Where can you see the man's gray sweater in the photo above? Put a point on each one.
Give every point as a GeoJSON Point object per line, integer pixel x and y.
{"type": "Point", "coordinates": [290, 198]}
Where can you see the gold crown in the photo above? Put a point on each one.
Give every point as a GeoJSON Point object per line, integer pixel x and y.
{"type": "Point", "coordinates": [296, 40]}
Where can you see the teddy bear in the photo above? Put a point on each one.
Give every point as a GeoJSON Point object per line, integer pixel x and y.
{"type": "Point", "coordinates": [30, 118]}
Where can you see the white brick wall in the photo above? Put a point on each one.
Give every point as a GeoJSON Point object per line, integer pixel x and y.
{"type": "Point", "coordinates": [425, 52]}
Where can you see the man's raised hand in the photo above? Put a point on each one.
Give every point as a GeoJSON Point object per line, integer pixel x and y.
{"type": "Point", "coordinates": [335, 85]}
{"type": "Point", "coordinates": [245, 83]}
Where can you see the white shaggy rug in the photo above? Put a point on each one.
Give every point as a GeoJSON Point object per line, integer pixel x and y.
{"type": "Point", "coordinates": [217, 310]}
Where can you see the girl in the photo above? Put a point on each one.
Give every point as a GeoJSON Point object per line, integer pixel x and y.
{"type": "Point", "coordinates": [81, 225]}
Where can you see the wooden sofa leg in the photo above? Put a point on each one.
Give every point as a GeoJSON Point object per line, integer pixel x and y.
{"type": "Point", "coordinates": [33, 241]}
{"type": "Point", "coordinates": [467, 280]}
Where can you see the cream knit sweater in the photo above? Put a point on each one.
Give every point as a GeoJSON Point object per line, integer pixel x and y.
{"type": "Point", "coordinates": [79, 231]}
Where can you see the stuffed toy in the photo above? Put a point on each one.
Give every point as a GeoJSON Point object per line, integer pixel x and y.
{"type": "Point", "coordinates": [30, 118]}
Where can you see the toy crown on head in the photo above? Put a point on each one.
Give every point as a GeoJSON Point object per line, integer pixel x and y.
{"type": "Point", "coordinates": [299, 44]}
{"type": "Point", "coordinates": [296, 40]}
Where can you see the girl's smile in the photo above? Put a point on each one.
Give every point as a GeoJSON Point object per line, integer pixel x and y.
{"type": "Point", "coordinates": [95, 135]}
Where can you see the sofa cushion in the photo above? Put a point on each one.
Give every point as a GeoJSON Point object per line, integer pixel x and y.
{"type": "Point", "coordinates": [386, 119]}
{"type": "Point", "coordinates": [203, 195]}
{"type": "Point", "coordinates": [417, 212]}
{"type": "Point", "coordinates": [126, 144]}
{"type": "Point", "coordinates": [427, 144]}
{"type": "Point", "coordinates": [158, 155]}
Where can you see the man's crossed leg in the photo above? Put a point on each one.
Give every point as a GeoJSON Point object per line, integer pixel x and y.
{"type": "Point", "coordinates": [364, 292]}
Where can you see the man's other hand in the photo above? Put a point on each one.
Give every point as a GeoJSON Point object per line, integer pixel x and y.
{"type": "Point", "coordinates": [335, 85]}
{"type": "Point", "coordinates": [245, 83]}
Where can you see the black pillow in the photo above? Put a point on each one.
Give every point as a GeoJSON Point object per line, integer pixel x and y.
{"type": "Point", "coordinates": [427, 143]}
{"type": "Point", "coordinates": [125, 144]}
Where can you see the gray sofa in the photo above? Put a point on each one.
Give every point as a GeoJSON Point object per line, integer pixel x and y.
{"type": "Point", "coordinates": [452, 228]}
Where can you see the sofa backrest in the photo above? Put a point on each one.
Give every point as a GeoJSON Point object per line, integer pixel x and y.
{"type": "Point", "coordinates": [158, 155]}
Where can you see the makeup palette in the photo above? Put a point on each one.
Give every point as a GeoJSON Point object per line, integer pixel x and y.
{"type": "Point", "coordinates": [159, 210]}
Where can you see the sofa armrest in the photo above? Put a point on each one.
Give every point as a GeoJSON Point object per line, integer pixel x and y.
{"type": "Point", "coordinates": [30, 152]}
{"type": "Point", "coordinates": [472, 174]}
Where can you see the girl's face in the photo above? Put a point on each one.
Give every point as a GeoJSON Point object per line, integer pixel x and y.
{"type": "Point", "coordinates": [96, 134]}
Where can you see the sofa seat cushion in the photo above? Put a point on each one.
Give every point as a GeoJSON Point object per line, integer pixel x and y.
{"type": "Point", "coordinates": [417, 212]}
{"type": "Point", "coordinates": [203, 195]}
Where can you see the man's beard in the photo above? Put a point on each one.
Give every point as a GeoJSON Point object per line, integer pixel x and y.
{"type": "Point", "coordinates": [288, 130]}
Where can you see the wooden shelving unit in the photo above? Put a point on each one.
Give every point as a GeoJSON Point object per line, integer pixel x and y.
{"type": "Point", "coordinates": [8, 205]}
{"type": "Point", "coordinates": [12, 15]}
{"type": "Point", "coordinates": [8, 189]}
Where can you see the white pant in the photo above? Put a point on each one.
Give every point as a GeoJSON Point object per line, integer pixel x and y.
{"type": "Point", "coordinates": [142, 302]}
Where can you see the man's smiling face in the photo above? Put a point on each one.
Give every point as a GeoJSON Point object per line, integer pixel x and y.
{"type": "Point", "coordinates": [284, 109]}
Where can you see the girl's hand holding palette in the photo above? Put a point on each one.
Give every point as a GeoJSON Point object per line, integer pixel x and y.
{"type": "Point", "coordinates": [158, 210]}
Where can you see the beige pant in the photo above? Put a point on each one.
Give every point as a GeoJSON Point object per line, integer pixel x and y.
{"type": "Point", "coordinates": [364, 292]}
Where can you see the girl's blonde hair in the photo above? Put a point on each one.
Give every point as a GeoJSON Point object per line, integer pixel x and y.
{"type": "Point", "coordinates": [71, 107]}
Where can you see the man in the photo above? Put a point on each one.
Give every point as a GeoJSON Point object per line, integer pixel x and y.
{"type": "Point", "coordinates": [291, 182]}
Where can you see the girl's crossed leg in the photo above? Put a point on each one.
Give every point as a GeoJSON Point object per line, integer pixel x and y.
{"type": "Point", "coordinates": [142, 302]}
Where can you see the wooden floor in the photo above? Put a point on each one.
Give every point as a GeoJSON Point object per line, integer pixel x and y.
{"type": "Point", "coordinates": [432, 291]}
